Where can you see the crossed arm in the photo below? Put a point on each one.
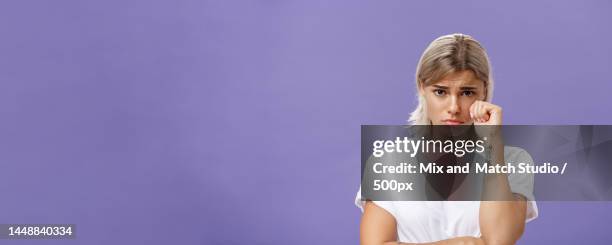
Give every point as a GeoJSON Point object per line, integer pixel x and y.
{"type": "Point", "coordinates": [378, 227]}
{"type": "Point", "coordinates": [501, 222]}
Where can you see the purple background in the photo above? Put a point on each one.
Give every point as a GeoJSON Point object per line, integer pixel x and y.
{"type": "Point", "coordinates": [226, 122]}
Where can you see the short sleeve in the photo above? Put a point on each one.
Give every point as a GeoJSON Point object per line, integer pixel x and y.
{"type": "Point", "coordinates": [522, 183]}
{"type": "Point", "coordinates": [386, 205]}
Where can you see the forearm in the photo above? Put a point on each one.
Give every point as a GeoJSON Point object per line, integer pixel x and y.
{"type": "Point", "coordinates": [500, 222]}
{"type": "Point", "coordinates": [453, 241]}
{"type": "Point", "coordinates": [501, 217]}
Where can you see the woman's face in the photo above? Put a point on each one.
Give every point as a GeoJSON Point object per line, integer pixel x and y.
{"type": "Point", "coordinates": [449, 100]}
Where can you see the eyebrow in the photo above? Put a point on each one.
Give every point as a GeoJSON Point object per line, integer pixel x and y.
{"type": "Point", "coordinates": [462, 88]}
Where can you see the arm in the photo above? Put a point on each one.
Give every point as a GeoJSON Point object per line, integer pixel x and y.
{"type": "Point", "coordinates": [378, 227]}
{"type": "Point", "coordinates": [501, 222]}
{"type": "Point", "coordinates": [502, 213]}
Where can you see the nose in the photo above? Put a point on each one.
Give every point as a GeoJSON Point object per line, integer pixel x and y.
{"type": "Point", "coordinates": [454, 107]}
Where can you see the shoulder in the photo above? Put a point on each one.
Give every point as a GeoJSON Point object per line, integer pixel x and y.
{"type": "Point", "coordinates": [513, 153]}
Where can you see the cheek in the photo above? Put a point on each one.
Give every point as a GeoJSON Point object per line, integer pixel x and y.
{"type": "Point", "coordinates": [434, 105]}
{"type": "Point", "coordinates": [467, 104]}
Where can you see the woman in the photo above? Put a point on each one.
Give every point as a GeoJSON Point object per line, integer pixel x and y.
{"type": "Point", "coordinates": [455, 87]}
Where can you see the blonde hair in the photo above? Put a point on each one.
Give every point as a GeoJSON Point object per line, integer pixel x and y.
{"type": "Point", "coordinates": [445, 55]}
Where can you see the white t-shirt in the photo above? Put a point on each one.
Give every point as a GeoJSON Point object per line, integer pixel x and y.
{"type": "Point", "coordinates": [430, 221]}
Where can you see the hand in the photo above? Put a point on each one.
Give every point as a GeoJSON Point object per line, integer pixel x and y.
{"type": "Point", "coordinates": [489, 115]}
{"type": "Point", "coordinates": [485, 113]}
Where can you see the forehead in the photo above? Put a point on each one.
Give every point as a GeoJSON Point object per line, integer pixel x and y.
{"type": "Point", "coordinates": [460, 79]}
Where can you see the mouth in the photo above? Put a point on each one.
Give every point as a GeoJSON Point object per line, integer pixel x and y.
{"type": "Point", "coordinates": [452, 122]}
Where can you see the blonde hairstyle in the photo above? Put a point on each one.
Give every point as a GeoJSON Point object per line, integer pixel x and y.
{"type": "Point", "coordinates": [445, 55]}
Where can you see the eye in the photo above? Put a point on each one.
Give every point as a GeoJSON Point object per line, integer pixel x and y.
{"type": "Point", "coordinates": [467, 93]}
{"type": "Point", "coordinates": [439, 92]}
